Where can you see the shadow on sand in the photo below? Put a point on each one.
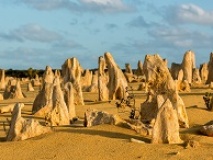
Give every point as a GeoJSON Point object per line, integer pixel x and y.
{"type": "Point", "coordinates": [103, 133]}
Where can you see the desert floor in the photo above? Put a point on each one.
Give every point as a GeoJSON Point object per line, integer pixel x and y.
{"type": "Point", "coordinates": [107, 142]}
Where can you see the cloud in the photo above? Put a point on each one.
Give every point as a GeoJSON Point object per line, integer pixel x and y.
{"type": "Point", "coordinates": [188, 13]}
{"type": "Point", "coordinates": [74, 22]}
{"type": "Point", "coordinates": [138, 22]}
{"type": "Point", "coordinates": [49, 4]}
{"type": "Point", "coordinates": [109, 6]}
{"type": "Point", "coordinates": [32, 32]}
{"type": "Point", "coordinates": [103, 6]}
{"type": "Point", "coordinates": [24, 58]}
{"type": "Point", "coordinates": [169, 42]}
{"type": "Point", "coordinates": [67, 45]}
{"type": "Point", "coordinates": [111, 26]}
{"type": "Point", "coordinates": [179, 37]}
{"type": "Point", "coordinates": [35, 57]}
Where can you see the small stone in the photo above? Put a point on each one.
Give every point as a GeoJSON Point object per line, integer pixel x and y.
{"type": "Point", "coordinates": [192, 144]}
{"type": "Point", "coordinates": [136, 141]}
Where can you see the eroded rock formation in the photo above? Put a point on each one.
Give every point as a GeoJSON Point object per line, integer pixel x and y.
{"type": "Point", "coordinates": [117, 82]}
{"type": "Point", "coordinates": [86, 80]}
{"type": "Point", "coordinates": [21, 129]}
{"type": "Point", "coordinates": [175, 71]}
{"type": "Point", "coordinates": [183, 72]}
{"type": "Point", "coordinates": [166, 127]}
{"type": "Point", "coordinates": [139, 72]}
{"type": "Point", "coordinates": [188, 64]}
{"type": "Point", "coordinates": [128, 73]}
{"type": "Point", "coordinates": [71, 72]}
{"type": "Point", "coordinates": [162, 87]}
{"type": "Point", "coordinates": [13, 90]}
{"type": "Point", "coordinates": [69, 99]}
{"type": "Point", "coordinates": [94, 85]}
{"type": "Point", "coordinates": [48, 75]}
{"type": "Point", "coordinates": [103, 80]}
{"type": "Point", "coordinates": [59, 111]}
{"type": "Point", "coordinates": [94, 117]}
{"type": "Point", "coordinates": [196, 79]}
{"type": "Point", "coordinates": [207, 129]}
{"type": "Point", "coordinates": [43, 101]}
{"type": "Point", "coordinates": [210, 69]}
{"type": "Point", "coordinates": [30, 87]}
{"type": "Point", "coordinates": [204, 72]}
{"type": "Point", "coordinates": [2, 79]}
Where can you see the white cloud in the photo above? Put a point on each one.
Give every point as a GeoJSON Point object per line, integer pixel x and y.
{"type": "Point", "coordinates": [104, 2]}
{"type": "Point", "coordinates": [179, 37]}
{"type": "Point", "coordinates": [109, 6]}
{"type": "Point", "coordinates": [189, 13]}
{"type": "Point", "coordinates": [32, 32]}
{"type": "Point", "coordinates": [47, 4]}
{"type": "Point", "coordinates": [106, 5]}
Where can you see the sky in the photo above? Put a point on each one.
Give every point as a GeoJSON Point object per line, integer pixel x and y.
{"type": "Point", "coordinates": [39, 33]}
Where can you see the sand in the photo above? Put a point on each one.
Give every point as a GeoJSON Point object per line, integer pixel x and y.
{"type": "Point", "coordinates": [107, 142]}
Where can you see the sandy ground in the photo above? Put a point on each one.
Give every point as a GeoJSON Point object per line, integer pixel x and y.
{"type": "Point", "coordinates": [107, 142]}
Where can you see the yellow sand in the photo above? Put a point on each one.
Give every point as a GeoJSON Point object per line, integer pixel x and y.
{"type": "Point", "coordinates": [107, 142]}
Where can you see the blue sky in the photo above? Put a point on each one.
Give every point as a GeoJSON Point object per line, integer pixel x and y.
{"type": "Point", "coordinates": [36, 33]}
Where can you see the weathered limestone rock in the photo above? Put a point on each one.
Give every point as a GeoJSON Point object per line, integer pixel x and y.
{"type": "Point", "coordinates": [30, 87]}
{"type": "Point", "coordinates": [210, 69]}
{"type": "Point", "coordinates": [166, 127]}
{"type": "Point", "coordinates": [7, 90]}
{"type": "Point", "coordinates": [71, 72]}
{"type": "Point", "coordinates": [103, 80]}
{"type": "Point", "coordinates": [69, 99]}
{"type": "Point", "coordinates": [117, 82]}
{"type": "Point", "coordinates": [1, 97]}
{"type": "Point", "coordinates": [43, 101]}
{"type": "Point", "coordinates": [175, 71]}
{"type": "Point", "coordinates": [128, 73]}
{"type": "Point", "coordinates": [36, 81]}
{"type": "Point", "coordinates": [196, 76]}
{"type": "Point", "coordinates": [207, 130]}
{"type": "Point", "coordinates": [2, 79]}
{"type": "Point", "coordinates": [161, 86]}
{"type": "Point", "coordinates": [93, 117]}
{"type": "Point", "coordinates": [17, 91]}
{"type": "Point", "coordinates": [149, 111]}
{"type": "Point", "coordinates": [188, 64]}
{"type": "Point", "coordinates": [48, 75]}
{"type": "Point", "coordinates": [13, 91]}
{"type": "Point", "coordinates": [184, 86]}
{"type": "Point", "coordinates": [204, 72]}
{"type": "Point", "coordinates": [86, 80]}
{"type": "Point", "coordinates": [184, 72]}
{"type": "Point", "coordinates": [180, 75]}
{"type": "Point", "coordinates": [139, 72]}
{"type": "Point", "coordinates": [50, 103]}
{"type": "Point", "coordinates": [21, 129]}
{"type": "Point", "coordinates": [94, 84]}
{"type": "Point", "coordinates": [57, 73]}
{"type": "Point", "coordinates": [59, 114]}
{"type": "Point", "coordinates": [7, 109]}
